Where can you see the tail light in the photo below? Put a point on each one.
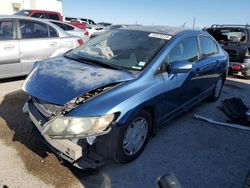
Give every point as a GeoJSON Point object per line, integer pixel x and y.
{"type": "Point", "coordinates": [80, 42]}
{"type": "Point", "coordinates": [236, 67]}
{"type": "Point", "coordinates": [86, 33]}
{"type": "Point", "coordinates": [247, 55]}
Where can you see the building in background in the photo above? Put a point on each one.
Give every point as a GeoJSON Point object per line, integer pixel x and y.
{"type": "Point", "coordinates": [11, 6]}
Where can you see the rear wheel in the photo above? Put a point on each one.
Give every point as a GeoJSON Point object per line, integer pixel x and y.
{"type": "Point", "coordinates": [218, 88]}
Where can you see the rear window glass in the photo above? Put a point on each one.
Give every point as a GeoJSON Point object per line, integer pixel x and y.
{"type": "Point", "coordinates": [52, 32]}
{"type": "Point", "coordinates": [59, 25]}
{"type": "Point", "coordinates": [31, 29]}
{"type": "Point", "coordinates": [38, 15]}
{"type": "Point", "coordinates": [70, 19]}
{"type": "Point", "coordinates": [208, 47]}
{"type": "Point", "coordinates": [68, 27]}
{"type": "Point", "coordinates": [229, 35]}
{"type": "Point", "coordinates": [53, 16]}
{"type": "Point", "coordinates": [22, 12]}
{"type": "Point", "coordinates": [6, 30]}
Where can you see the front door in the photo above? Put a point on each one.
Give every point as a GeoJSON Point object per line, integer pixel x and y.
{"type": "Point", "coordinates": [182, 88]}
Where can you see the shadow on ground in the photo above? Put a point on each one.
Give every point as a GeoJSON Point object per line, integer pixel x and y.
{"type": "Point", "coordinates": [16, 131]}
{"type": "Point", "coordinates": [199, 154]}
{"type": "Point", "coordinates": [5, 80]}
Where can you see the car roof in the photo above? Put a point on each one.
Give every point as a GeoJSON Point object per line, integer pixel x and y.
{"type": "Point", "coordinates": [228, 26]}
{"type": "Point", "coordinates": [38, 10]}
{"type": "Point", "coordinates": [62, 32]}
{"type": "Point", "coordinates": [157, 29]}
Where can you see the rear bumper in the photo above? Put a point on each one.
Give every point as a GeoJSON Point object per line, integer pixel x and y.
{"type": "Point", "coordinates": [77, 151]}
{"type": "Point", "coordinates": [244, 70]}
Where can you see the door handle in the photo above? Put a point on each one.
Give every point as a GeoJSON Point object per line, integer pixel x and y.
{"type": "Point", "coordinates": [53, 43]}
{"type": "Point", "coordinates": [198, 71]}
{"type": "Point", "coordinates": [9, 47]}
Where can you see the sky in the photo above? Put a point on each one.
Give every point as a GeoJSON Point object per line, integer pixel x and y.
{"type": "Point", "coordinates": [161, 12]}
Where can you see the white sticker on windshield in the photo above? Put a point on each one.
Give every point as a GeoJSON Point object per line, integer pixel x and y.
{"type": "Point", "coordinates": [138, 68]}
{"type": "Point", "coordinates": [142, 63]}
{"type": "Point", "coordinates": [160, 36]}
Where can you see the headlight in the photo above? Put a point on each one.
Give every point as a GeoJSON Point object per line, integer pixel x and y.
{"type": "Point", "coordinates": [67, 127]}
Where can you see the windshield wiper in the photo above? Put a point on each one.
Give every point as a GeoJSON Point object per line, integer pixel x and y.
{"type": "Point", "coordinates": [76, 58]}
{"type": "Point", "coordinates": [92, 61]}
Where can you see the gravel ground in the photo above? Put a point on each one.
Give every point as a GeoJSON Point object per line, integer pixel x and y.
{"type": "Point", "coordinates": [198, 153]}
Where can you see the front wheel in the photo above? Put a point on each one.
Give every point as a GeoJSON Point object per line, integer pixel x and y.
{"type": "Point", "coordinates": [125, 143]}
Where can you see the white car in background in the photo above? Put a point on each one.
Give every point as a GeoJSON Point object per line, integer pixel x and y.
{"type": "Point", "coordinates": [25, 40]}
{"type": "Point", "coordinates": [72, 30]}
{"type": "Point", "coordinates": [93, 29]}
{"type": "Point", "coordinates": [91, 26]}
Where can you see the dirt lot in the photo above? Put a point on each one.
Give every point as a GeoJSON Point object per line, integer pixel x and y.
{"type": "Point", "coordinates": [200, 154]}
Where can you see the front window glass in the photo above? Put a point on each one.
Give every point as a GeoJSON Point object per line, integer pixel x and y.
{"type": "Point", "coordinates": [6, 30]}
{"type": "Point", "coordinates": [186, 50]}
{"type": "Point", "coordinates": [126, 49]}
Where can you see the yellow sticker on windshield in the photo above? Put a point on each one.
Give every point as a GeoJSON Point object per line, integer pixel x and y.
{"type": "Point", "coordinates": [160, 36]}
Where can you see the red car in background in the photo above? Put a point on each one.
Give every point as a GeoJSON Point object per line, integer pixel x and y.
{"type": "Point", "coordinates": [44, 14]}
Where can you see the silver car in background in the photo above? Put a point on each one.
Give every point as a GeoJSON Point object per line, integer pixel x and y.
{"type": "Point", "coordinates": [72, 30]}
{"type": "Point", "coordinates": [25, 40]}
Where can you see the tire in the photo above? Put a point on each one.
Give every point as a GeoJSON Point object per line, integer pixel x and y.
{"type": "Point", "coordinates": [217, 90]}
{"type": "Point", "coordinates": [113, 145]}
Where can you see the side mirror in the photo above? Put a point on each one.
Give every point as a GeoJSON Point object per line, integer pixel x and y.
{"type": "Point", "coordinates": [180, 67]}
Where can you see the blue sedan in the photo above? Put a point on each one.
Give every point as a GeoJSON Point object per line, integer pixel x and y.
{"type": "Point", "coordinates": [103, 100]}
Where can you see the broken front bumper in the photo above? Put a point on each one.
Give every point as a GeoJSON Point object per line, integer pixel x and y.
{"type": "Point", "coordinates": [75, 151]}
{"type": "Point", "coordinates": [68, 149]}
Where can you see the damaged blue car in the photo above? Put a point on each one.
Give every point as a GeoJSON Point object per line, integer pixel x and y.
{"type": "Point", "coordinates": [102, 101]}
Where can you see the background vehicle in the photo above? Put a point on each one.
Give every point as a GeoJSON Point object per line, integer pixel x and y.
{"type": "Point", "coordinates": [88, 21]}
{"type": "Point", "coordinates": [236, 41]}
{"type": "Point", "coordinates": [24, 40]}
{"type": "Point", "coordinates": [105, 24]}
{"type": "Point", "coordinates": [120, 88]}
{"type": "Point", "coordinates": [94, 29]}
{"type": "Point", "coordinates": [91, 26]}
{"type": "Point", "coordinates": [110, 28]}
{"type": "Point", "coordinates": [72, 30]}
{"type": "Point", "coordinates": [44, 14]}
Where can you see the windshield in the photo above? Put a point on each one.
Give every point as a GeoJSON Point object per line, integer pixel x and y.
{"type": "Point", "coordinates": [22, 12]}
{"type": "Point", "coordinates": [126, 49]}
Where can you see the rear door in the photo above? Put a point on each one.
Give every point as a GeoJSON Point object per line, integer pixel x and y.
{"type": "Point", "coordinates": [9, 49]}
{"type": "Point", "coordinates": [207, 66]}
{"type": "Point", "coordinates": [38, 41]}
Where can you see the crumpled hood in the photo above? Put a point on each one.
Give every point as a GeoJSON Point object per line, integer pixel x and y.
{"type": "Point", "coordinates": [60, 79]}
